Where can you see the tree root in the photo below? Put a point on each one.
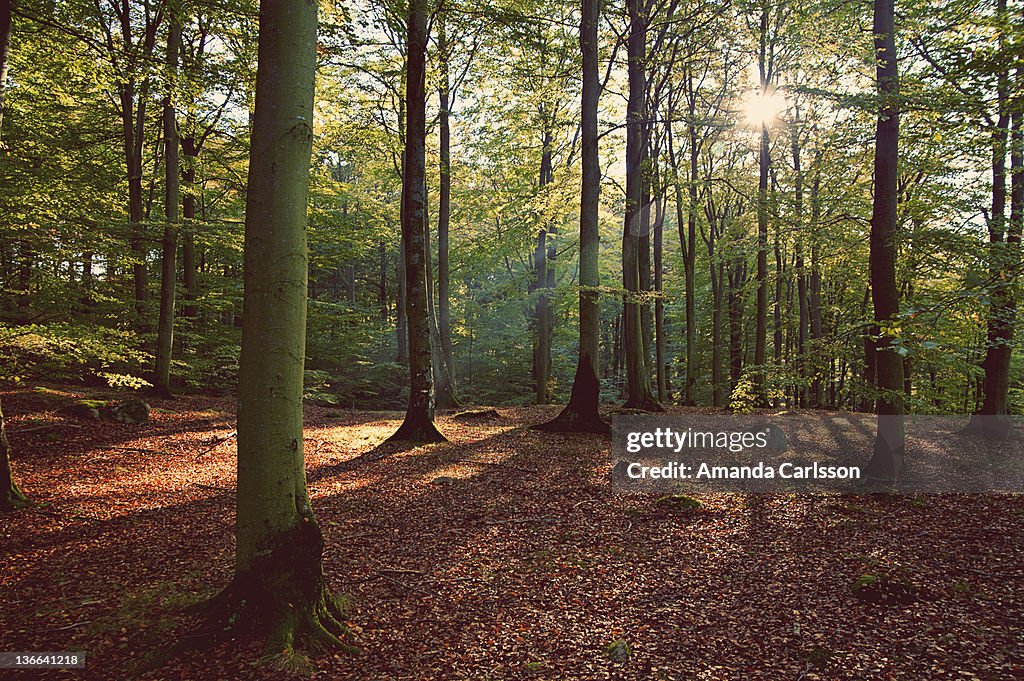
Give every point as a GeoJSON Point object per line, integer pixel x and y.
{"type": "Point", "coordinates": [13, 499]}
{"type": "Point", "coordinates": [289, 632]}
{"type": "Point", "coordinates": [571, 421]}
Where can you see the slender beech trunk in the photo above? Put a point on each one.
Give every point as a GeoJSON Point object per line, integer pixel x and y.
{"type": "Point", "coordinates": [278, 586]}
{"type": "Point", "coordinates": [444, 390]}
{"type": "Point", "coordinates": [637, 377]}
{"type": "Point", "coordinates": [443, 220]}
{"type": "Point", "coordinates": [5, 50]}
{"type": "Point", "coordinates": [418, 425]}
{"type": "Point", "coordinates": [764, 163]}
{"type": "Point", "coordinates": [190, 279]}
{"type": "Point", "coordinates": [382, 280]}
{"type": "Point", "coordinates": [800, 265]}
{"type": "Point", "coordinates": [737, 281]}
{"type": "Point", "coordinates": [659, 303]}
{"type": "Point", "coordinates": [887, 458]}
{"type": "Point", "coordinates": [133, 96]}
{"type": "Point", "coordinates": [581, 414]}
{"type": "Point", "coordinates": [690, 250]}
{"type": "Point", "coordinates": [169, 259]}
{"type": "Point", "coordinates": [814, 285]}
{"type": "Point", "coordinates": [401, 295]}
{"type": "Point", "coordinates": [542, 315]}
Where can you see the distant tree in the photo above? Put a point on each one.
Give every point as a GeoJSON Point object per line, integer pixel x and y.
{"type": "Point", "coordinates": [887, 458]}
{"type": "Point", "coordinates": [580, 414]}
{"type": "Point", "coordinates": [418, 425]}
{"type": "Point", "coordinates": [5, 46]}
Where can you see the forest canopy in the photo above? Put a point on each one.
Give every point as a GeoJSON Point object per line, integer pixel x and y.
{"type": "Point", "coordinates": [756, 146]}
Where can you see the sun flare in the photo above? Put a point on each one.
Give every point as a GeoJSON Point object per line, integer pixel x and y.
{"type": "Point", "coordinates": [763, 107]}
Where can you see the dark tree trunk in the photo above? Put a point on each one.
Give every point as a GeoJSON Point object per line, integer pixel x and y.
{"type": "Point", "coordinates": [581, 414]}
{"type": "Point", "coordinates": [637, 377]}
{"type": "Point", "coordinates": [992, 419]}
{"type": "Point", "coordinates": [418, 425]}
{"type": "Point", "coordinates": [133, 97]}
{"type": "Point", "coordinates": [887, 458]}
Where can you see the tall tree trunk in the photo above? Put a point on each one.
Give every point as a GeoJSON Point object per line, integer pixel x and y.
{"type": "Point", "coordinates": [444, 217]}
{"type": "Point", "coordinates": [169, 259]}
{"type": "Point", "coordinates": [190, 279]}
{"type": "Point", "coordinates": [764, 163]}
{"type": "Point", "coordinates": [992, 419]}
{"type": "Point", "coordinates": [418, 425]}
{"type": "Point", "coordinates": [887, 458]}
{"type": "Point", "coordinates": [580, 414]}
{"type": "Point", "coordinates": [800, 265]}
{"type": "Point", "coordinates": [444, 390]}
{"type": "Point", "coordinates": [12, 497]}
{"type": "Point", "coordinates": [278, 584]}
{"type": "Point", "coordinates": [814, 285]}
{"type": "Point", "coordinates": [690, 250]}
{"type": "Point", "coordinates": [542, 317]}
{"type": "Point", "coordinates": [659, 303]}
{"type": "Point", "coordinates": [637, 377]}
{"type": "Point", "coordinates": [5, 51]}
{"type": "Point", "coordinates": [401, 295]}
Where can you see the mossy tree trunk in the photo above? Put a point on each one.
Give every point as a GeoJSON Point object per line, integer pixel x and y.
{"type": "Point", "coordinates": [419, 417]}
{"type": "Point", "coordinates": [12, 497]}
{"type": "Point", "coordinates": [580, 414]}
{"type": "Point", "coordinates": [278, 585]}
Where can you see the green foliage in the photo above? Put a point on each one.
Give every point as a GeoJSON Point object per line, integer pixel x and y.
{"type": "Point", "coordinates": [72, 352]}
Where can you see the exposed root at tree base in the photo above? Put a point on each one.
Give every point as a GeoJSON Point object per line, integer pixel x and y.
{"type": "Point", "coordinates": [422, 433]}
{"type": "Point", "coordinates": [13, 499]}
{"type": "Point", "coordinates": [291, 634]}
{"type": "Point", "coordinates": [280, 597]}
{"type": "Point", "coordinates": [571, 421]}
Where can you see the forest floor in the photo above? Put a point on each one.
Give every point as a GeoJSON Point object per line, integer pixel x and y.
{"type": "Point", "coordinates": [519, 563]}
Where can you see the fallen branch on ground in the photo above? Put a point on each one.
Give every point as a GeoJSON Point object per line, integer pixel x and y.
{"type": "Point", "coordinates": [218, 442]}
{"type": "Point", "coordinates": [498, 463]}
